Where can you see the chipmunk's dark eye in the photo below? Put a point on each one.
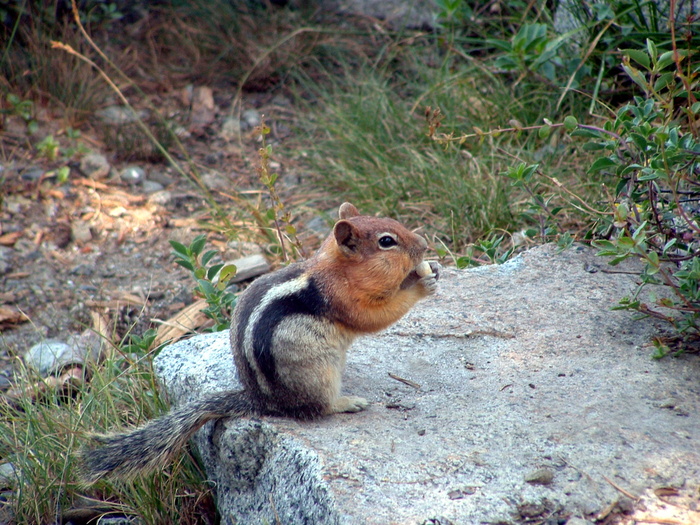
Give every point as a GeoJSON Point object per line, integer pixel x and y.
{"type": "Point", "coordinates": [387, 241]}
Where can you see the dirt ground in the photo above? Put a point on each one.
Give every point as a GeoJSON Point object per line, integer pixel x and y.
{"type": "Point", "coordinates": [100, 245]}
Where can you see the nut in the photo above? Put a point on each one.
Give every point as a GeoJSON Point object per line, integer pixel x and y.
{"type": "Point", "coordinates": [424, 269]}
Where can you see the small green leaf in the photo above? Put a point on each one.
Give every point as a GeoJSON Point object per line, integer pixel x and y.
{"type": "Point", "coordinates": [640, 57]}
{"type": "Point", "coordinates": [211, 272]}
{"type": "Point", "coordinates": [544, 132]}
{"type": "Point", "coordinates": [665, 80]}
{"type": "Point", "coordinates": [601, 164]}
{"type": "Point", "coordinates": [593, 146]}
{"type": "Point", "coordinates": [208, 257]}
{"type": "Point", "coordinates": [227, 272]}
{"type": "Point", "coordinates": [636, 76]}
{"type": "Point", "coordinates": [185, 264]}
{"type": "Point", "coordinates": [180, 248]}
{"type": "Point", "coordinates": [206, 287]}
{"type": "Point", "coordinates": [653, 52]}
{"type": "Point", "coordinates": [570, 123]}
{"type": "Point", "coordinates": [197, 244]}
{"type": "Point", "coordinates": [62, 174]}
{"type": "Point", "coordinates": [666, 59]}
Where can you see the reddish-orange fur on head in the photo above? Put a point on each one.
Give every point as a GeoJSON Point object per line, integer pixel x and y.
{"type": "Point", "coordinates": [363, 281]}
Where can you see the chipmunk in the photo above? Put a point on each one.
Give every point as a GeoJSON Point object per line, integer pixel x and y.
{"type": "Point", "coordinates": [289, 334]}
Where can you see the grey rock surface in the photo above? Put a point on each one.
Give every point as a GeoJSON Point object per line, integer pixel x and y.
{"type": "Point", "coordinates": [522, 368]}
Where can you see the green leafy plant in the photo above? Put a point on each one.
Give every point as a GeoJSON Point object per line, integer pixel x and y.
{"type": "Point", "coordinates": [211, 281]}
{"type": "Point", "coordinates": [48, 148]}
{"type": "Point", "coordinates": [656, 159]}
{"type": "Point", "coordinates": [275, 218]}
{"type": "Point", "coordinates": [23, 109]}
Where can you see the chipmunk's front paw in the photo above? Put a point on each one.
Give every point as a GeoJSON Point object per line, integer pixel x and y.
{"type": "Point", "coordinates": [429, 274]}
{"type": "Point", "coordinates": [350, 404]}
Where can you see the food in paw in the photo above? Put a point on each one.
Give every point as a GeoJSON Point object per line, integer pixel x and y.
{"type": "Point", "coordinates": [424, 269]}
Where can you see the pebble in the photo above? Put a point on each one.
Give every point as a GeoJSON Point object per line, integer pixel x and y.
{"type": "Point", "coordinates": [8, 475]}
{"type": "Point", "coordinates": [251, 117]}
{"type": "Point", "coordinates": [32, 174]}
{"type": "Point", "coordinates": [541, 476]}
{"type": "Point", "coordinates": [53, 355]}
{"type": "Point", "coordinates": [5, 380]}
{"type": "Point", "coordinates": [160, 198]}
{"type": "Point", "coordinates": [160, 177]}
{"type": "Point", "coordinates": [94, 166]}
{"type": "Point", "coordinates": [119, 115]}
{"type": "Point", "coordinates": [230, 129]}
{"type": "Point", "coordinates": [84, 269]}
{"type": "Point", "coordinates": [132, 175]}
{"type": "Point", "coordinates": [45, 356]}
{"type": "Point", "coordinates": [215, 181]}
{"type": "Point", "coordinates": [151, 186]}
{"type": "Point", "coordinates": [203, 110]}
{"type": "Point", "coordinates": [5, 260]}
{"type": "Point", "coordinates": [249, 267]}
{"type": "Point", "coordinates": [81, 232]}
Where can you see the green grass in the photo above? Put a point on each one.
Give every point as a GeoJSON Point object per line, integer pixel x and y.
{"type": "Point", "coordinates": [367, 141]}
{"type": "Point", "coordinates": [41, 432]}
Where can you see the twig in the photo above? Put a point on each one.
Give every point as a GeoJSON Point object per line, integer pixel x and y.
{"type": "Point", "coordinates": [405, 381]}
{"type": "Point", "coordinates": [620, 489]}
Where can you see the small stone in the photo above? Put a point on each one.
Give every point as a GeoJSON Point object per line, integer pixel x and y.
{"type": "Point", "coordinates": [212, 159]}
{"type": "Point", "coordinates": [541, 476]}
{"type": "Point", "coordinates": [32, 174]}
{"type": "Point", "coordinates": [52, 355]}
{"type": "Point", "coordinates": [132, 175]}
{"type": "Point", "coordinates": [215, 181]}
{"type": "Point", "coordinates": [89, 344]}
{"type": "Point", "coordinates": [203, 107]}
{"type": "Point", "coordinates": [150, 186]}
{"type": "Point", "coordinates": [160, 177]}
{"type": "Point", "coordinates": [81, 232]}
{"type": "Point", "coordinates": [45, 356]}
{"type": "Point", "coordinates": [249, 267]}
{"type": "Point", "coordinates": [95, 166]}
{"type": "Point", "coordinates": [281, 100]}
{"type": "Point", "coordinates": [230, 129]}
{"type": "Point", "coordinates": [5, 260]}
{"type": "Point", "coordinates": [251, 117]}
{"type": "Point", "coordinates": [119, 115]}
{"type": "Point", "coordinates": [160, 198]}
{"type": "Point", "coordinates": [8, 475]}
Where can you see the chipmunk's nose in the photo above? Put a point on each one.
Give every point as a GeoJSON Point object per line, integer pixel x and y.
{"type": "Point", "coordinates": [423, 243]}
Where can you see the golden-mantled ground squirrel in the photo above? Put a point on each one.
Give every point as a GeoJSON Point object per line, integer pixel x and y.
{"type": "Point", "coordinates": [289, 334]}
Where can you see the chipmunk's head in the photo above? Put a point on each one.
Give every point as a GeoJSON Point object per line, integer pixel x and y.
{"type": "Point", "coordinates": [384, 247]}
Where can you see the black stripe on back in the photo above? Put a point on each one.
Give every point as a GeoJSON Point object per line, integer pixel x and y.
{"type": "Point", "coordinates": [307, 301]}
{"type": "Point", "coordinates": [253, 295]}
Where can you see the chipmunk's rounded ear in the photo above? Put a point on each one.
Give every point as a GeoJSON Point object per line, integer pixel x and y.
{"type": "Point", "coordinates": [346, 236]}
{"type": "Point", "coordinates": [347, 210]}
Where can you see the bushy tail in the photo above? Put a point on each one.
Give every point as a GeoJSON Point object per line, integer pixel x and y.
{"type": "Point", "coordinates": [153, 444]}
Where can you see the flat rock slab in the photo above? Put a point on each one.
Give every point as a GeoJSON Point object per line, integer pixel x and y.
{"type": "Point", "coordinates": [514, 394]}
